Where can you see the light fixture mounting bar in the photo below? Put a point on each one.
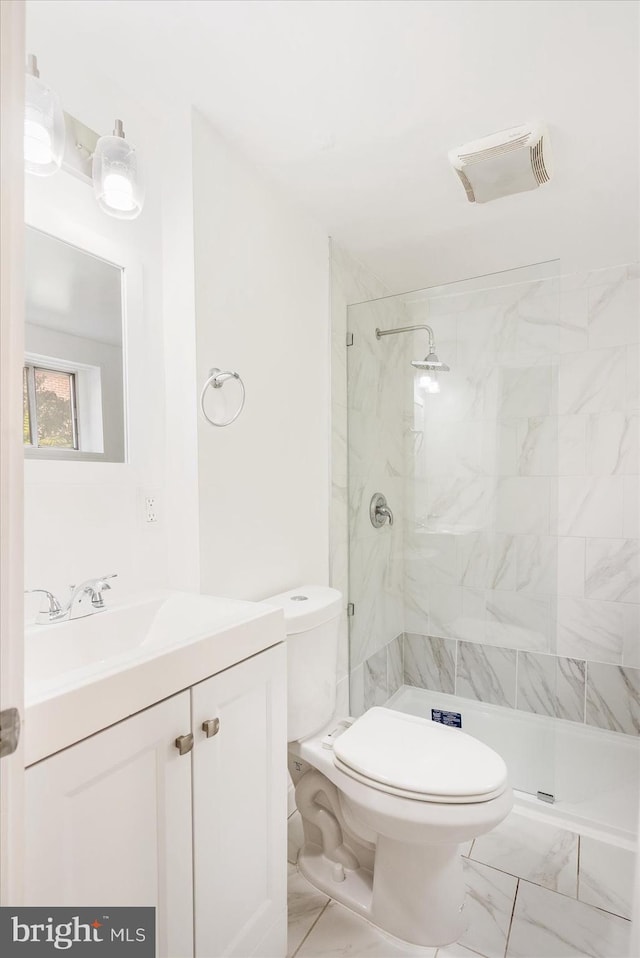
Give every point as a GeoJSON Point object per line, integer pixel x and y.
{"type": "Point", "coordinates": [79, 147]}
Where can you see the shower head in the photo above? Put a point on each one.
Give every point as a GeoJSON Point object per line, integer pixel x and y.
{"type": "Point", "coordinates": [431, 363]}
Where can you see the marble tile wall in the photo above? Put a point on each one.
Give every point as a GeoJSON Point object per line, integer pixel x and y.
{"type": "Point", "coordinates": [521, 537]}
{"type": "Point", "coordinates": [515, 489]}
{"type": "Point", "coordinates": [376, 679]}
{"type": "Point", "coordinates": [378, 386]}
{"type": "Point", "coordinates": [595, 693]}
{"type": "Point", "coordinates": [350, 283]}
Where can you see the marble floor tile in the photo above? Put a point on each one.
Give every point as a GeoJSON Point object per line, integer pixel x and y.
{"type": "Point", "coordinates": [305, 904]}
{"type": "Point", "coordinates": [532, 850]}
{"type": "Point", "coordinates": [340, 933]}
{"type": "Point", "coordinates": [548, 925]}
{"type": "Point", "coordinates": [488, 906]}
{"type": "Point", "coordinates": [606, 876]}
{"type": "Point", "coordinates": [456, 951]}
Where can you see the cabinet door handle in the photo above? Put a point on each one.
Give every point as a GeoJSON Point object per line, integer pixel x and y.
{"type": "Point", "coordinates": [184, 743]}
{"type": "Point", "coordinates": [211, 727]}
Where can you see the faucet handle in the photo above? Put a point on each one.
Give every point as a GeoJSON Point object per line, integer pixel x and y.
{"type": "Point", "coordinates": [102, 581]}
{"type": "Point", "coordinates": [54, 605]}
{"type": "Point", "coordinates": [99, 586]}
{"type": "Point", "coordinates": [53, 610]}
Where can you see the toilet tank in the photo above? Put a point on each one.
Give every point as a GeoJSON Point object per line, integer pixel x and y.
{"type": "Point", "coordinates": [312, 618]}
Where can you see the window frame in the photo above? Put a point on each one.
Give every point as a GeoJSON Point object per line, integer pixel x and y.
{"type": "Point", "coordinates": [87, 409]}
{"type": "Point", "coordinates": [30, 368]}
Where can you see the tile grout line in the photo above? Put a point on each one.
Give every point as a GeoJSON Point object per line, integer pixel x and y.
{"type": "Point", "coordinates": [585, 697]}
{"type": "Point", "coordinates": [468, 948]}
{"type": "Point", "coordinates": [455, 667]}
{"type": "Point", "coordinates": [313, 925]}
{"type": "Point", "coordinates": [513, 911]}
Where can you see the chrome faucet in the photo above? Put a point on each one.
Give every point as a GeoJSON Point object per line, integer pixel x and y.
{"type": "Point", "coordinates": [85, 599]}
{"type": "Point", "coordinates": [79, 604]}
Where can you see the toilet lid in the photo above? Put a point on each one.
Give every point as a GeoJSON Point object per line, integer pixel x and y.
{"type": "Point", "coordinates": [417, 757]}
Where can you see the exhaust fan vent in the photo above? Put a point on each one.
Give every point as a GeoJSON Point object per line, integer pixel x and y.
{"type": "Point", "coordinates": [537, 162]}
{"type": "Point", "coordinates": [511, 161]}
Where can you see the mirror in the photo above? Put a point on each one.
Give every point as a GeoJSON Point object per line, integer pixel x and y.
{"type": "Point", "coordinates": [73, 383]}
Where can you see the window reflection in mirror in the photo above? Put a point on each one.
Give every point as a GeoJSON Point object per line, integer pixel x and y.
{"type": "Point", "coordinates": [73, 392]}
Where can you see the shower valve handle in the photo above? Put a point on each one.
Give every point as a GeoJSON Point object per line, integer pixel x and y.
{"type": "Point", "coordinates": [379, 511]}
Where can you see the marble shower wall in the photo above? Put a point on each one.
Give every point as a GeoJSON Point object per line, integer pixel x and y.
{"type": "Point", "coordinates": [379, 389]}
{"type": "Point", "coordinates": [350, 283]}
{"type": "Point", "coordinates": [521, 488]}
{"type": "Point", "coordinates": [515, 491]}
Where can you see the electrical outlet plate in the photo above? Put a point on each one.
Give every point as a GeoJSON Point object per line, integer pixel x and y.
{"type": "Point", "coordinates": [150, 512]}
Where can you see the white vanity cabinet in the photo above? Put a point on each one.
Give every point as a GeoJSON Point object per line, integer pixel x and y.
{"type": "Point", "coordinates": [108, 822]}
{"type": "Point", "coordinates": [239, 810]}
{"type": "Point", "coordinates": [122, 818]}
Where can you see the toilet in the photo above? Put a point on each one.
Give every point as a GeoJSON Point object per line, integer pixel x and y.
{"type": "Point", "coordinates": [386, 799]}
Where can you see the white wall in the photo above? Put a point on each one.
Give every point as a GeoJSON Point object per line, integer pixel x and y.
{"type": "Point", "coordinates": [85, 519]}
{"type": "Point", "coordinates": [262, 308]}
{"type": "Point", "coordinates": [178, 293]}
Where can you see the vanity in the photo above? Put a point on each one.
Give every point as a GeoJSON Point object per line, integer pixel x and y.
{"type": "Point", "coordinates": [155, 738]}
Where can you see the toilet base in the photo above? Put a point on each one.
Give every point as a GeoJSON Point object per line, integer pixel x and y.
{"type": "Point", "coordinates": [416, 895]}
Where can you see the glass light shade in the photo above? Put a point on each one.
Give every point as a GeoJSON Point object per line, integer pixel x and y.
{"type": "Point", "coordinates": [44, 130]}
{"type": "Point", "coordinates": [117, 179]}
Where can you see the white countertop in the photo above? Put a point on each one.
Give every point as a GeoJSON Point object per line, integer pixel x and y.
{"type": "Point", "coordinates": [84, 675]}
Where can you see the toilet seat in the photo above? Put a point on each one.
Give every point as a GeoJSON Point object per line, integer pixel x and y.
{"type": "Point", "coordinates": [412, 757]}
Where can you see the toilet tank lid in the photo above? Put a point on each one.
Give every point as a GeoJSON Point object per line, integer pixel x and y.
{"type": "Point", "coordinates": [307, 606]}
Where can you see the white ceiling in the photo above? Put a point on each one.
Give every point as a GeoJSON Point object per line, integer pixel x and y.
{"type": "Point", "coordinates": [352, 105]}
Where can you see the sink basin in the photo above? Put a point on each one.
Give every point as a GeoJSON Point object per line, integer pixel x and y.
{"type": "Point", "coordinates": [85, 674]}
{"type": "Point", "coordinates": [63, 653]}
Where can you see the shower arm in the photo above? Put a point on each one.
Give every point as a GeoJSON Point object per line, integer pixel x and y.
{"type": "Point", "coordinates": [407, 329]}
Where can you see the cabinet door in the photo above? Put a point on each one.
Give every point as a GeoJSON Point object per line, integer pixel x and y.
{"type": "Point", "coordinates": [109, 823]}
{"type": "Point", "coordinates": [240, 810]}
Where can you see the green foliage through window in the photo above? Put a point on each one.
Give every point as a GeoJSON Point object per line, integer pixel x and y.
{"type": "Point", "coordinates": [49, 408]}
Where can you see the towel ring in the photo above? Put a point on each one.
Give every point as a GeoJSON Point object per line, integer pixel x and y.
{"type": "Point", "coordinates": [216, 379]}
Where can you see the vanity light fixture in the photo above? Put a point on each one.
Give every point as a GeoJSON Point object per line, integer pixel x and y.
{"type": "Point", "coordinates": [117, 179]}
{"type": "Point", "coordinates": [44, 130]}
{"type": "Point", "coordinates": [53, 139]}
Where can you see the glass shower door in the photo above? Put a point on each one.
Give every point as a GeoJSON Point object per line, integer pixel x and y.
{"type": "Point", "coordinates": [455, 603]}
